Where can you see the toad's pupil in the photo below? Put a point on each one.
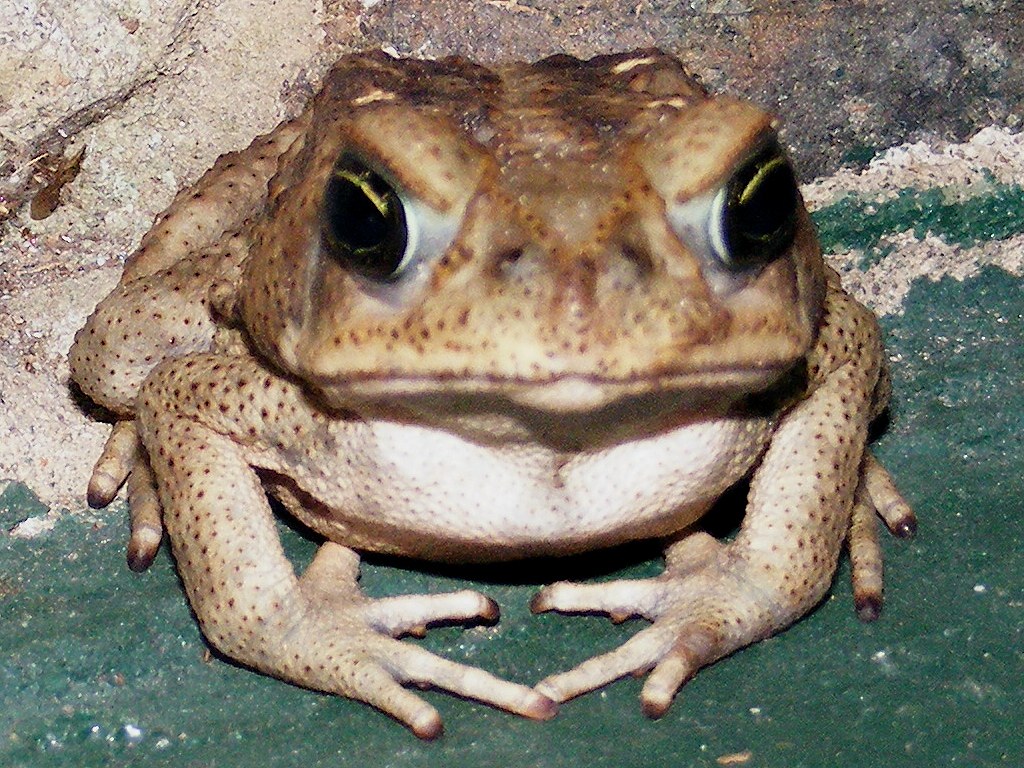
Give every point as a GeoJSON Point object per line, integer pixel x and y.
{"type": "Point", "coordinates": [357, 212]}
{"type": "Point", "coordinates": [760, 210]}
{"type": "Point", "coordinates": [767, 200]}
{"type": "Point", "coordinates": [364, 224]}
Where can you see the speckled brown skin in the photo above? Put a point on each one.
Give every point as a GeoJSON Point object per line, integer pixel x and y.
{"type": "Point", "coordinates": [563, 365]}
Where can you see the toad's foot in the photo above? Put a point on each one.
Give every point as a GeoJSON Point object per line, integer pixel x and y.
{"type": "Point", "coordinates": [705, 605]}
{"type": "Point", "coordinates": [341, 641]}
{"type": "Point", "coordinates": [876, 497]}
{"type": "Point", "coordinates": [331, 637]}
{"type": "Point", "coordinates": [123, 459]}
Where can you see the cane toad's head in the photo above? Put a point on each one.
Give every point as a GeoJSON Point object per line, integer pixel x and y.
{"type": "Point", "coordinates": [557, 236]}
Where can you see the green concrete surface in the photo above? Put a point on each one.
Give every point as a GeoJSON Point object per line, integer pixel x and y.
{"type": "Point", "coordinates": [102, 667]}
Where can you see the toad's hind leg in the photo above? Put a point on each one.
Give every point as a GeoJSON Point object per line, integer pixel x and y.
{"type": "Point", "coordinates": [161, 308]}
{"type": "Point", "coordinates": [876, 497]}
{"type": "Point", "coordinates": [218, 202]}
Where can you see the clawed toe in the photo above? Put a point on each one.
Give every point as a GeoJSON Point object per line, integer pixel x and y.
{"type": "Point", "coordinates": [113, 465]}
{"type": "Point", "coordinates": [121, 460]}
{"type": "Point", "coordinates": [662, 685]}
{"type": "Point", "coordinates": [636, 656]}
{"type": "Point", "coordinates": [412, 665]}
{"type": "Point", "coordinates": [383, 688]}
{"type": "Point", "coordinates": [876, 497]}
{"type": "Point", "coordinates": [412, 614]}
{"type": "Point", "coordinates": [620, 600]}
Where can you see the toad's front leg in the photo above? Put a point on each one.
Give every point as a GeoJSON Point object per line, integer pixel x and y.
{"type": "Point", "coordinates": [318, 630]}
{"type": "Point", "coordinates": [715, 598]}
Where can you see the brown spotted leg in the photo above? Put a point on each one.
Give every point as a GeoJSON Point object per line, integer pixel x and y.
{"type": "Point", "coordinates": [160, 309]}
{"type": "Point", "coordinates": [715, 598]}
{"type": "Point", "coordinates": [318, 630]}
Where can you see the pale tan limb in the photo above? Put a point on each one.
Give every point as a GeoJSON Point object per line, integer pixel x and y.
{"type": "Point", "coordinates": [713, 599]}
{"type": "Point", "coordinates": [160, 307]}
{"type": "Point", "coordinates": [699, 613]}
{"type": "Point", "coordinates": [318, 630]}
{"type": "Point", "coordinates": [220, 201]}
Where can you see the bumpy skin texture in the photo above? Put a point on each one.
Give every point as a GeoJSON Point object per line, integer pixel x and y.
{"type": "Point", "coordinates": [562, 364]}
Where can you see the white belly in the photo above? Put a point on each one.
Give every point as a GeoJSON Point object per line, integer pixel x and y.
{"type": "Point", "coordinates": [429, 493]}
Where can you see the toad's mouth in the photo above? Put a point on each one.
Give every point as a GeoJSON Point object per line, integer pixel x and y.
{"type": "Point", "coordinates": [562, 393]}
{"type": "Point", "coordinates": [568, 412]}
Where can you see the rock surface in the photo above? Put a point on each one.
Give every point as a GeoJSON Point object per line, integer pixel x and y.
{"type": "Point", "coordinates": [156, 90]}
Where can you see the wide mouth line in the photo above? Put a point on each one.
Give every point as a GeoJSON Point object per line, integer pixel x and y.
{"type": "Point", "coordinates": [767, 369]}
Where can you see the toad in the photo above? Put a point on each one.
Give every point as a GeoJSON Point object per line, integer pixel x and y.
{"type": "Point", "coordinates": [468, 314]}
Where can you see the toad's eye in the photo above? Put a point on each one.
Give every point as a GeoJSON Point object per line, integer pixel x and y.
{"type": "Point", "coordinates": [753, 217]}
{"type": "Point", "coordinates": [363, 221]}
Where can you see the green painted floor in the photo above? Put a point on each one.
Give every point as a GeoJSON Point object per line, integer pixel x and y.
{"type": "Point", "coordinates": [101, 667]}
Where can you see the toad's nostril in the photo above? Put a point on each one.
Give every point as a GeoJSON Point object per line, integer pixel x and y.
{"type": "Point", "coordinates": [508, 264]}
{"type": "Point", "coordinates": [509, 258]}
{"type": "Point", "coordinates": [639, 258]}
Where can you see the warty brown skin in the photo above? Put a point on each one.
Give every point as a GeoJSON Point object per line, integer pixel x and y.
{"type": "Point", "coordinates": [562, 366]}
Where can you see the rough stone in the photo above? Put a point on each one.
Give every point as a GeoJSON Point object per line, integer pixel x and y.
{"type": "Point", "coordinates": [156, 89]}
